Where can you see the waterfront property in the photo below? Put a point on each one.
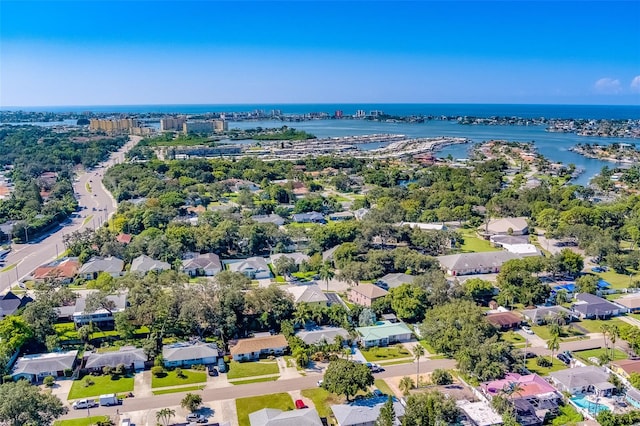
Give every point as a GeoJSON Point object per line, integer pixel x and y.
{"type": "Point", "coordinates": [384, 333]}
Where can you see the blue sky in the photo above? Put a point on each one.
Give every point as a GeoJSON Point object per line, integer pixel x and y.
{"type": "Point", "coordinates": [154, 52]}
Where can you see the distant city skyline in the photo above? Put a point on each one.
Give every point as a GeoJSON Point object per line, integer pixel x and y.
{"type": "Point", "coordinates": [209, 52]}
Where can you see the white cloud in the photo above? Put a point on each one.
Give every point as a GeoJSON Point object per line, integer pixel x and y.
{"type": "Point", "coordinates": [635, 84]}
{"type": "Point", "coordinates": [607, 86]}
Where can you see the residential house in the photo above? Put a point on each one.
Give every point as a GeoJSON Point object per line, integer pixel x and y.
{"type": "Point", "coordinates": [424, 226]}
{"type": "Point", "coordinates": [143, 264]}
{"type": "Point", "coordinates": [384, 333]}
{"type": "Point", "coordinates": [10, 303]}
{"type": "Point", "coordinates": [589, 306]}
{"type": "Point", "coordinates": [61, 271]}
{"type": "Point", "coordinates": [625, 367]}
{"type": "Point", "coordinates": [187, 354]}
{"type": "Point", "coordinates": [478, 413]}
{"type": "Point", "coordinates": [338, 216]}
{"type": "Point", "coordinates": [360, 213]}
{"type": "Point", "coordinates": [522, 250]}
{"type": "Point", "coordinates": [325, 334]}
{"type": "Point", "coordinates": [499, 240]}
{"type": "Point", "coordinates": [583, 380]}
{"type": "Point", "coordinates": [235, 185]}
{"type": "Point", "coordinates": [132, 358]}
{"type": "Point", "coordinates": [311, 217]}
{"type": "Point", "coordinates": [101, 317]}
{"type": "Point", "coordinates": [394, 280]}
{"type": "Point", "coordinates": [475, 263]}
{"type": "Point", "coordinates": [275, 417]}
{"type": "Point", "coordinates": [504, 320]}
{"type": "Point", "coordinates": [327, 255]}
{"type": "Point", "coordinates": [124, 238]}
{"type": "Point", "coordinates": [365, 294]}
{"type": "Point", "coordinates": [297, 257]}
{"type": "Point", "coordinates": [269, 218]}
{"type": "Point", "coordinates": [365, 412]}
{"type": "Point", "coordinates": [545, 314]}
{"type": "Point", "coordinates": [36, 367]}
{"type": "Point", "coordinates": [534, 399]}
{"type": "Point", "coordinates": [255, 268]}
{"type": "Point", "coordinates": [631, 302]}
{"type": "Point", "coordinates": [309, 294]}
{"type": "Point", "coordinates": [97, 265]}
{"type": "Point", "coordinates": [505, 226]}
{"type": "Point", "coordinates": [253, 348]}
{"type": "Point", "coordinates": [207, 265]}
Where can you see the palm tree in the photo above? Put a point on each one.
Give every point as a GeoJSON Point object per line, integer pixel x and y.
{"type": "Point", "coordinates": [554, 344]}
{"type": "Point", "coordinates": [165, 415]}
{"type": "Point", "coordinates": [417, 351]}
{"type": "Point", "coordinates": [405, 385]}
{"type": "Point", "coordinates": [326, 273]}
{"type": "Point", "coordinates": [613, 334]}
{"type": "Point", "coordinates": [605, 332]}
{"type": "Point", "coordinates": [510, 389]}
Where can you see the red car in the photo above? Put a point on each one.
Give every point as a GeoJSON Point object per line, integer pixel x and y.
{"type": "Point", "coordinates": [300, 404]}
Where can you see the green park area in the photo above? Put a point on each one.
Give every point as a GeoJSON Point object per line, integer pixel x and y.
{"type": "Point", "coordinates": [172, 378]}
{"type": "Point", "coordinates": [100, 385]}
{"type": "Point", "coordinates": [240, 370]}
{"type": "Point", "coordinates": [245, 406]}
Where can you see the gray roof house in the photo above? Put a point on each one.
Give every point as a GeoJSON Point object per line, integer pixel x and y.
{"type": "Point", "coordinates": [328, 254]}
{"type": "Point", "coordinates": [207, 264]}
{"type": "Point", "coordinates": [541, 314]}
{"type": "Point", "coordinates": [144, 264]}
{"type": "Point", "coordinates": [96, 265]}
{"type": "Point", "coordinates": [186, 354]}
{"type": "Point", "coordinates": [591, 306]}
{"type": "Point", "coordinates": [297, 257]}
{"type": "Point", "coordinates": [310, 294]}
{"type": "Point", "coordinates": [475, 263]}
{"type": "Point", "coordinates": [38, 366]}
{"type": "Point", "coordinates": [253, 267]}
{"type": "Point", "coordinates": [100, 317]}
{"type": "Point", "coordinates": [580, 380]}
{"type": "Point", "coordinates": [274, 417]}
{"type": "Point", "coordinates": [341, 216]}
{"type": "Point", "coordinates": [394, 280]}
{"type": "Point", "coordinates": [131, 357]}
{"type": "Point", "coordinates": [10, 303]}
{"type": "Point", "coordinates": [506, 226]}
{"type": "Point", "coordinates": [311, 217]}
{"type": "Point", "coordinates": [364, 412]}
{"type": "Point", "coordinates": [269, 218]}
{"type": "Point", "coordinates": [322, 334]}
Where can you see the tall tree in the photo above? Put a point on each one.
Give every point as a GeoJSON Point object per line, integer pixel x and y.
{"type": "Point", "coordinates": [347, 377]}
{"type": "Point", "coordinates": [387, 416]}
{"type": "Point", "coordinates": [22, 404]}
{"type": "Point", "coordinates": [430, 409]}
{"type": "Point", "coordinates": [165, 415]}
{"type": "Point", "coordinates": [417, 351]}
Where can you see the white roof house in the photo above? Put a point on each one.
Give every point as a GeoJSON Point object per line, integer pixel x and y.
{"type": "Point", "coordinates": [37, 366]}
{"type": "Point", "coordinates": [320, 334]}
{"type": "Point", "coordinates": [253, 267]}
{"type": "Point", "coordinates": [424, 226]}
{"type": "Point", "coordinates": [506, 226]}
{"type": "Point", "coordinates": [311, 294]}
{"type": "Point", "coordinates": [275, 417]}
{"type": "Point", "coordinates": [129, 356]}
{"type": "Point", "coordinates": [297, 257]}
{"type": "Point", "coordinates": [480, 413]}
{"type": "Point", "coordinates": [189, 353]}
{"type": "Point", "coordinates": [144, 264]}
{"type": "Point", "coordinates": [96, 265]}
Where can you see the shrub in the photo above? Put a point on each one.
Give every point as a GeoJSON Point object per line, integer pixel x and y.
{"type": "Point", "coordinates": [7, 378]}
{"type": "Point", "coordinates": [68, 372]}
{"type": "Point", "coordinates": [49, 381]}
{"type": "Point", "coordinates": [441, 377]}
{"type": "Point", "coordinates": [120, 369]}
{"type": "Point", "coordinates": [158, 371]}
{"type": "Point", "coordinates": [107, 370]}
{"type": "Point", "coordinates": [180, 373]}
{"type": "Point", "coordinates": [88, 381]}
{"type": "Point", "coordinates": [543, 362]}
{"type": "Point", "coordinates": [199, 367]}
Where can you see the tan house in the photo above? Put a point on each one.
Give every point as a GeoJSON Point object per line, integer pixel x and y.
{"type": "Point", "coordinates": [251, 349]}
{"type": "Point", "coordinates": [625, 367]}
{"type": "Point", "coordinates": [366, 294]}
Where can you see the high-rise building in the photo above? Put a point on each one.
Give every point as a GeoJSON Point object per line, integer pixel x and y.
{"type": "Point", "coordinates": [172, 123]}
{"type": "Point", "coordinates": [198, 127]}
{"type": "Point", "coordinates": [221, 126]}
{"type": "Point", "coordinates": [338, 113]}
{"type": "Point", "coordinates": [361, 113]}
{"type": "Point", "coordinates": [113, 126]}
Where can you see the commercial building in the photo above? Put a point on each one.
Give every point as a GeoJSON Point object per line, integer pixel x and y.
{"type": "Point", "coordinates": [114, 125]}
{"type": "Point", "coordinates": [172, 123]}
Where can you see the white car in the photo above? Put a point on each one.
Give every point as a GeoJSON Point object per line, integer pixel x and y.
{"type": "Point", "coordinates": [527, 329]}
{"type": "Point", "coordinates": [320, 383]}
{"type": "Point", "coordinates": [84, 403]}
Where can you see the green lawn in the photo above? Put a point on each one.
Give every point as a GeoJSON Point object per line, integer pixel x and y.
{"type": "Point", "coordinates": [381, 354]}
{"type": "Point", "coordinates": [84, 421]}
{"type": "Point", "coordinates": [8, 268]}
{"type": "Point", "coordinates": [543, 371]}
{"type": "Point", "coordinates": [175, 390]}
{"type": "Point", "coordinates": [245, 406]}
{"type": "Point", "coordinates": [616, 280]}
{"type": "Point", "coordinates": [567, 416]}
{"type": "Point", "coordinates": [323, 400]}
{"type": "Point", "coordinates": [473, 244]}
{"type": "Point", "coordinates": [595, 326]}
{"type": "Point", "coordinates": [239, 370]}
{"type": "Point", "coordinates": [66, 331]}
{"type": "Point", "coordinates": [566, 332]}
{"type": "Point", "coordinates": [258, 380]}
{"type": "Point", "coordinates": [512, 337]}
{"type": "Point", "coordinates": [102, 384]}
{"type": "Point", "coordinates": [383, 386]}
{"type": "Point", "coordinates": [585, 355]}
{"type": "Point", "coordinates": [171, 379]}
{"type": "Point", "coordinates": [428, 347]}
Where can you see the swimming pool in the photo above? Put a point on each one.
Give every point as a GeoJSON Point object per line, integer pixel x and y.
{"type": "Point", "coordinates": [591, 407]}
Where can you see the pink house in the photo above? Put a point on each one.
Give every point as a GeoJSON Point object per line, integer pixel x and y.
{"type": "Point", "coordinates": [530, 385]}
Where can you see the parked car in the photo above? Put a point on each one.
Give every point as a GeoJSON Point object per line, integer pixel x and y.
{"type": "Point", "coordinates": [564, 358]}
{"type": "Point", "coordinates": [84, 403]}
{"type": "Point", "coordinates": [300, 404]}
{"type": "Point", "coordinates": [527, 329]}
{"type": "Point", "coordinates": [320, 382]}
{"type": "Point", "coordinates": [198, 418]}
{"type": "Point", "coordinates": [597, 269]}
{"type": "Point", "coordinates": [213, 371]}
{"type": "Point", "coordinates": [530, 355]}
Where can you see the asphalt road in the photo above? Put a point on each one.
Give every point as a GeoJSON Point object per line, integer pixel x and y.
{"type": "Point", "coordinates": [252, 389]}
{"type": "Point", "coordinates": [27, 257]}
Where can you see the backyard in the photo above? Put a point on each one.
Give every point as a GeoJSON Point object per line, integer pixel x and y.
{"type": "Point", "coordinates": [245, 406]}
{"type": "Point", "coordinates": [101, 385]}
{"type": "Point", "coordinates": [474, 244]}
{"type": "Point", "coordinates": [171, 378]}
{"type": "Point", "coordinates": [240, 370]}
